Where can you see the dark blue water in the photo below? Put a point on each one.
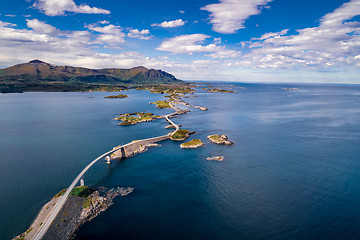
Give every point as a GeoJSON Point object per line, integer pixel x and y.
{"type": "Point", "coordinates": [293, 172]}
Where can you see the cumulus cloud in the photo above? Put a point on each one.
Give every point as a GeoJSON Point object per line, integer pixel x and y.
{"type": "Point", "coordinates": [41, 27]}
{"type": "Point", "coordinates": [109, 34]}
{"type": "Point", "coordinates": [57, 8]}
{"type": "Point", "coordinates": [6, 24]}
{"type": "Point", "coordinates": [170, 24]}
{"type": "Point", "coordinates": [271, 35]}
{"type": "Point", "coordinates": [194, 43]}
{"type": "Point", "coordinates": [136, 33]}
{"type": "Point", "coordinates": [186, 44]}
{"type": "Point", "coordinates": [228, 16]}
{"type": "Point", "coordinates": [334, 43]}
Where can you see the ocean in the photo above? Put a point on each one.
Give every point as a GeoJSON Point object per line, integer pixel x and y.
{"type": "Point", "coordinates": [292, 173]}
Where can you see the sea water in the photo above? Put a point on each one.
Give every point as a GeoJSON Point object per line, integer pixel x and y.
{"type": "Point", "coordinates": [293, 172]}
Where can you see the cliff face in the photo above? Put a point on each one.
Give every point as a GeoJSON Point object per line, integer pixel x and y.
{"type": "Point", "coordinates": [37, 70]}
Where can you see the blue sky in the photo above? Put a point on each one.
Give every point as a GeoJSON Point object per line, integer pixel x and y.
{"type": "Point", "coordinates": [224, 40]}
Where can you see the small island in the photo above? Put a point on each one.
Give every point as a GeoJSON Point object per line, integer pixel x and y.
{"type": "Point", "coordinates": [215, 158]}
{"type": "Point", "coordinates": [162, 104]}
{"type": "Point", "coordinates": [181, 135]}
{"type": "Point", "coordinates": [117, 96]}
{"type": "Point", "coordinates": [213, 90]}
{"type": "Point", "coordinates": [195, 143]}
{"type": "Point", "coordinates": [137, 117]}
{"type": "Point", "coordinates": [223, 139]}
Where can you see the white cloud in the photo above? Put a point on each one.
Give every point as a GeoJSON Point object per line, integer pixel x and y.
{"type": "Point", "coordinates": [181, 11]}
{"type": "Point", "coordinates": [333, 44]}
{"type": "Point", "coordinates": [10, 15]}
{"type": "Point", "coordinates": [271, 35]}
{"type": "Point", "coordinates": [136, 33]}
{"type": "Point", "coordinates": [193, 43]}
{"type": "Point", "coordinates": [6, 24]}
{"type": "Point", "coordinates": [104, 22]}
{"type": "Point", "coordinates": [186, 44]}
{"type": "Point", "coordinates": [170, 24]}
{"type": "Point", "coordinates": [228, 16]}
{"type": "Point", "coordinates": [60, 7]}
{"type": "Point", "coordinates": [109, 34]}
{"type": "Point", "coordinates": [41, 27]}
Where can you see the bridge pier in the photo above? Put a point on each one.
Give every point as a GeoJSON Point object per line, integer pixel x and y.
{"type": "Point", "coordinates": [82, 182]}
{"type": "Point", "coordinates": [107, 158]}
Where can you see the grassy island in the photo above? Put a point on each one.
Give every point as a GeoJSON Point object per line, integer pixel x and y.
{"type": "Point", "coordinates": [167, 88]}
{"type": "Point", "coordinates": [216, 138]}
{"type": "Point", "coordinates": [117, 96]}
{"type": "Point", "coordinates": [213, 89]}
{"type": "Point", "coordinates": [162, 104]}
{"type": "Point", "coordinates": [195, 143]}
{"type": "Point", "coordinates": [181, 135]}
{"type": "Point", "coordinates": [134, 118]}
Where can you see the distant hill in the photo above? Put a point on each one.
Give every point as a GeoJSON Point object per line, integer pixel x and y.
{"type": "Point", "coordinates": [37, 75]}
{"type": "Point", "coordinates": [37, 70]}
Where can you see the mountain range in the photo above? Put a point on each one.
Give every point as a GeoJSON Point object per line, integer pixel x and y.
{"type": "Point", "coordinates": [37, 70]}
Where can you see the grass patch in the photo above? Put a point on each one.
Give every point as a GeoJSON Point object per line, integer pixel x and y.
{"type": "Point", "coordinates": [60, 193]}
{"type": "Point", "coordinates": [181, 134]}
{"type": "Point", "coordinates": [133, 118]}
{"type": "Point", "coordinates": [213, 89]}
{"type": "Point", "coordinates": [117, 96]}
{"type": "Point", "coordinates": [215, 137]}
{"type": "Point", "coordinates": [162, 104]}
{"type": "Point", "coordinates": [192, 143]}
{"type": "Point", "coordinates": [80, 191]}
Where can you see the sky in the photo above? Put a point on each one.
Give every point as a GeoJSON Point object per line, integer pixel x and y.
{"type": "Point", "coordinates": [212, 40]}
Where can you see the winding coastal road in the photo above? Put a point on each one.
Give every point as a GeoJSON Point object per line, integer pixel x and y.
{"type": "Point", "coordinates": [59, 205]}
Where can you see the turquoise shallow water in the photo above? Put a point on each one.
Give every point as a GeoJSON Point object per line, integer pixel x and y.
{"type": "Point", "coordinates": [293, 172]}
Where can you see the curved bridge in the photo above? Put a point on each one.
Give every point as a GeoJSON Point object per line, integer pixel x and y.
{"type": "Point", "coordinates": [130, 146]}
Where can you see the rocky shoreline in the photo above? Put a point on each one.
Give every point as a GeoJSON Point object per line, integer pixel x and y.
{"type": "Point", "coordinates": [76, 211]}
{"type": "Point", "coordinates": [217, 139]}
{"type": "Point", "coordinates": [195, 143]}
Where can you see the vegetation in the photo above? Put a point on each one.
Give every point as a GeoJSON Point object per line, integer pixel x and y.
{"type": "Point", "coordinates": [223, 139]}
{"type": "Point", "coordinates": [215, 138]}
{"type": "Point", "coordinates": [41, 76]}
{"type": "Point", "coordinates": [167, 88]}
{"type": "Point", "coordinates": [117, 96]}
{"type": "Point", "coordinates": [195, 143]}
{"type": "Point", "coordinates": [87, 202]}
{"type": "Point", "coordinates": [181, 134]}
{"type": "Point", "coordinates": [162, 104]}
{"type": "Point", "coordinates": [213, 89]}
{"type": "Point", "coordinates": [80, 191]}
{"type": "Point", "coordinates": [108, 88]}
{"type": "Point", "coordinates": [134, 118]}
{"type": "Point", "coordinates": [22, 236]}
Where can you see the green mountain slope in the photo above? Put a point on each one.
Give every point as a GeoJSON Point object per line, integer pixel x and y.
{"type": "Point", "coordinates": [36, 70]}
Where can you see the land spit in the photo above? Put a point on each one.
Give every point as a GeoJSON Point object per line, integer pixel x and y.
{"type": "Point", "coordinates": [76, 211]}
